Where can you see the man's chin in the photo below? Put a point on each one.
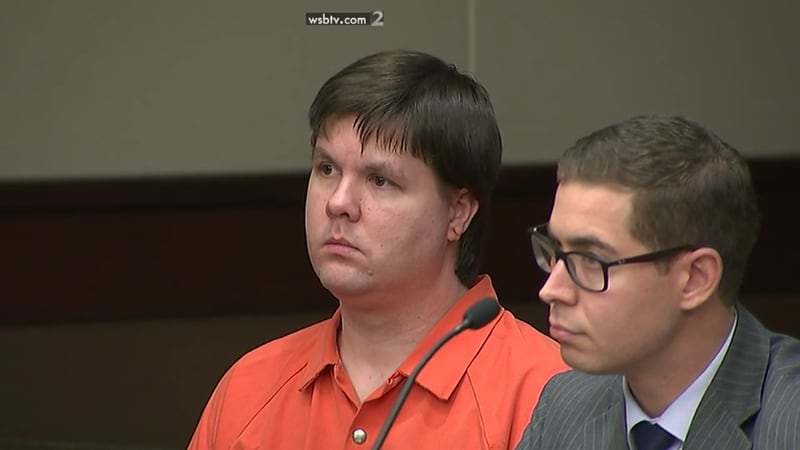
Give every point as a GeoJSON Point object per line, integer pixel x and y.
{"type": "Point", "coordinates": [343, 287]}
{"type": "Point", "coordinates": [592, 367]}
{"type": "Point", "coordinates": [593, 364]}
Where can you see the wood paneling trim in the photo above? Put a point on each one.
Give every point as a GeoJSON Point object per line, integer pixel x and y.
{"type": "Point", "coordinates": [187, 246]}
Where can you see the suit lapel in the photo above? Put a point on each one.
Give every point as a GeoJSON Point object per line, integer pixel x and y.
{"type": "Point", "coordinates": [607, 430]}
{"type": "Point", "coordinates": [734, 395]}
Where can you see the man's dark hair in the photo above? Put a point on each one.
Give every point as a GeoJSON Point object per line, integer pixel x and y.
{"type": "Point", "coordinates": [689, 187]}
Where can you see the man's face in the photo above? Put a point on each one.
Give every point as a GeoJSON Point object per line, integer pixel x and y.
{"type": "Point", "coordinates": [627, 327]}
{"type": "Point", "coordinates": [376, 222]}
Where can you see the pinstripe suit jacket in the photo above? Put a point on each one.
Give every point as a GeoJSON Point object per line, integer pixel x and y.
{"type": "Point", "coordinates": [752, 403]}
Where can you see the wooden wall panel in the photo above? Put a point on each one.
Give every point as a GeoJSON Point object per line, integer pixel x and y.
{"type": "Point", "coordinates": [177, 247]}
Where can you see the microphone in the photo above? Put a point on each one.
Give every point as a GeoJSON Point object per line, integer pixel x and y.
{"type": "Point", "coordinates": [478, 315]}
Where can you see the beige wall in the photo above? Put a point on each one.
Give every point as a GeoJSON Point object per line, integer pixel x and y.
{"type": "Point", "coordinates": [99, 88]}
{"type": "Point", "coordinates": [558, 69]}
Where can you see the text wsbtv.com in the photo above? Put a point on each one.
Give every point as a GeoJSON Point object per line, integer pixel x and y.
{"type": "Point", "coordinates": [374, 18]}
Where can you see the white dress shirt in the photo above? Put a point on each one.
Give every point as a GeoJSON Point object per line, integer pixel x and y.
{"type": "Point", "coordinates": [678, 416]}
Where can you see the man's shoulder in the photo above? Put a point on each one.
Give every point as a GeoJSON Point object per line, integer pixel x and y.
{"type": "Point", "coordinates": [521, 335]}
{"type": "Point", "coordinates": [514, 345]}
{"type": "Point", "coordinates": [582, 385]}
{"type": "Point", "coordinates": [769, 363]}
{"type": "Point", "coordinates": [783, 372]}
{"type": "Point", "coordinates": [780, 354]}
{"type": "Point", "coordinates": [287, 353]}
{"type": "Point", "coordinates": [569, 402]}
{"type": "Point", "coordinates": [580, 393]}
{"type": "Point", "coordinates": [776, 421]}
{"type": "Point", "coordinates": [257, 376]}
{"type": "Point", "coordinates": [785, 355]}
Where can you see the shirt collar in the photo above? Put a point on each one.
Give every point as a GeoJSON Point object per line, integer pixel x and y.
{"type": "Point", "coordinates": [325, 353]}
{"type": "Point", "coordinates": [443, 372]}
{"type": "Point", "coordinates": [677, 418]}
{"type": "Point", "coordinates": [445, 369]}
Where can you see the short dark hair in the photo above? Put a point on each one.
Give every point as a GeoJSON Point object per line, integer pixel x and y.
{"type": "Point", "coordinates": [689, 187]}
{"type": "Point", "coordinates": [416, 103]}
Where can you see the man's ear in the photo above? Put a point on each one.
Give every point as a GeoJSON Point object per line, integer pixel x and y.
{"type": "Point", "coordinates": [702, 274]}
{"type": "Point", "coordinates": [463, 207]}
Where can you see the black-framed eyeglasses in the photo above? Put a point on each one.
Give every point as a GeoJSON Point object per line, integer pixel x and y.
{"type": "Point", "coordinates": [587, 270]}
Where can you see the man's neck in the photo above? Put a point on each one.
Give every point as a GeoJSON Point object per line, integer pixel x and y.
{"type": "Point", "coordinates": [373, 343]}
{"type": "Point", "coordinates": [658, 384]}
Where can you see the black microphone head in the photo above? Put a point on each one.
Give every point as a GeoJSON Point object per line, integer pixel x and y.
{"type": "Point", "coordinates": [481, 313]}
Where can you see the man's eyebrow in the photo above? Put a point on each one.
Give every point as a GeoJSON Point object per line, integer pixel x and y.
{"type": "Point", "coordinates": [319, 153]}
{"type": "Point", "coordinates": [387, 167]}
{"type": "Point", "coordinates": [589, 241]}
{"type": "Point", "coordinates": [380, 166]}
{"type": "Point", "coordinates": [585, 241]}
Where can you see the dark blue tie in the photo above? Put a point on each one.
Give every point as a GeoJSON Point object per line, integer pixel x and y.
{"type": "Point", "coordinates": [650, 436]}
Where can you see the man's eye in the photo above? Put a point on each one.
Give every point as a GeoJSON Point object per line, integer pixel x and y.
{"type": "Point", "coordinates": [326, 168]}
{"type": "Point", "coordinates": [379, 180]}
{"type": "Point", "coordinates": [589, 261]}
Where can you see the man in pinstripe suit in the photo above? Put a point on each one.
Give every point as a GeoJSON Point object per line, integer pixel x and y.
{"type": "Point", "coordinates": [652, 224]}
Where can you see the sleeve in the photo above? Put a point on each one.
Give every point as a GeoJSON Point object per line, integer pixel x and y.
{"type": "Point", "coordinates": [207, 434]}
{"type": "Point", "coordinates": [532, 436]}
